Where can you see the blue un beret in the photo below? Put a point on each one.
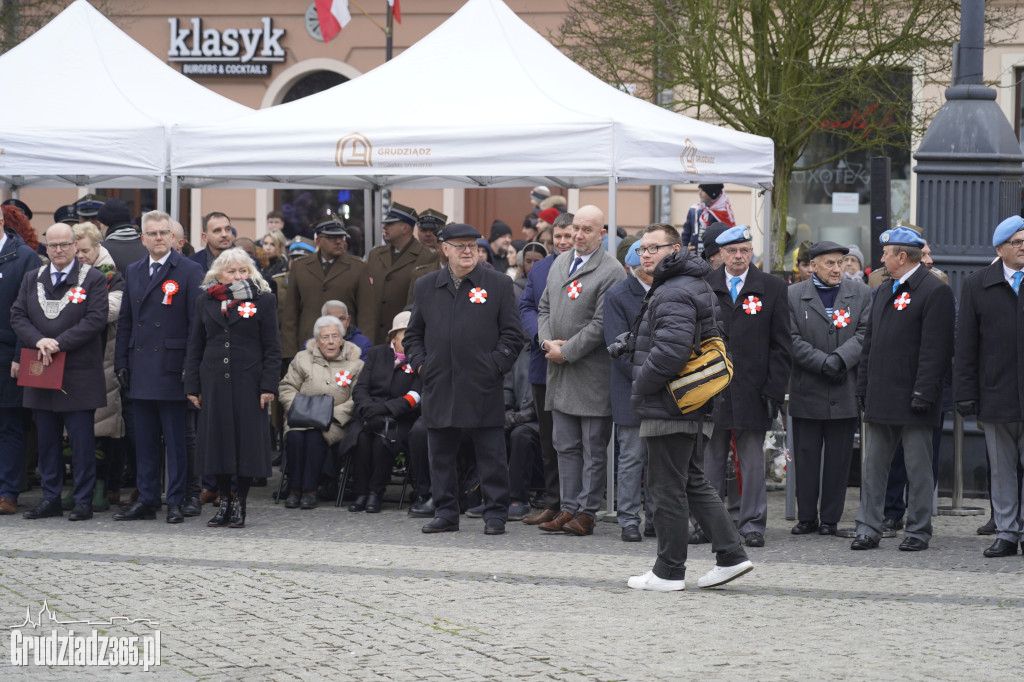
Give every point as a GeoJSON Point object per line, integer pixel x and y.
{"type": "Point", "coordinates": [632, 258]}
{"type": "Point", "coordinates": [900, 236]}
{"type": "Point", "coordinates": [1007, 229]}
{"type": "Point", "coordinates": [734, 235]}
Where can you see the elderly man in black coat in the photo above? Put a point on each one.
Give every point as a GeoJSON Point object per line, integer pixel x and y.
{"type": "Point", "coordinates": [62, 308]}
{"type": "Point", "coordinates": [756, 324]}
{"type": "Point", "coordinates": [908, 346]}
{"type": "Point", "coordinates": [989, 375]}
{"type": "Point", "coordinates": [464, 336]}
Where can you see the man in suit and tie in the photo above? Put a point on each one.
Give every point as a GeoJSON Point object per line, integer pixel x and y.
{"type": "Point", "coordinates": [152, 332]}
{"type": "Point", "coordinates": [62, 308]}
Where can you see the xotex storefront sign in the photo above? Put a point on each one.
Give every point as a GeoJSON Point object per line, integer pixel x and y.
{"type": "Point", "coordinates": [230, 52]}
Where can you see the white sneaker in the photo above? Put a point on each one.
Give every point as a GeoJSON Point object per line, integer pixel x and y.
{"type": "Point", "coordinates": [649, 581]}
{"type": "Point", "coordinates": [720, 575]}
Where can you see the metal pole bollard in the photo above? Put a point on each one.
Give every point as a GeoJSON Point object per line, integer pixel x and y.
{"type": "Point", "coordinates": [790, 471]}
{"type": "Point", "coordinates": [852, 532]}
{"type": "Point", "coordinates": [957, 508]}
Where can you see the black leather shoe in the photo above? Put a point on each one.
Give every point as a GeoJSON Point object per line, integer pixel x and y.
{"type": "Point", "coordinates": [1001, 548]}
{"type": "Point", "coordinates": [864, 542]}
{"type": "Point", "coordinates": [804, 528]}
{"type": "Point", "coordinates": [80, 512]}
{"type": "Point", "coordinates": [631, 534]}
{"type": "Point", "coordinates": [827, 529]}
{"type": "Point", "coordinates": [649, 531]}
{"type": "Point", "coordinates": [424, 510]}
{"type": "Point", "coordinates": [192, 507]}
{"type": "Point", "coordinates": [308, 501]}
{"type": "Point", "coordinates": [222, 517]}
{"type": "Point", "coordinates": [175, 513]}
{"type": "Point", "coordinates": [913, 545]}
{"type": "Point", "coordinates": [892, 523]}
{"type": "Point", "coordinates": [494, 527]}
{"type": "Point", "coordinates": [292, 501]}
{"type": "Point", "coordinates": [44, 509]}
{"type": "Point", "coordinates": [373, 504]}
{"type": "Point", "coordinates": [237, 517]}
{"type": "Point", "coordinates": [698, 537]}
{"type": "Point", "coordinates": [440, 525]}
{"type": "Point", "coordinates": [988, 529]}
{"type": "Point", "coordinates": [359, 504]}
{"type": "Point", "coordinates": [753, 539]}
{"type": "Point", "coordinates": [139, 511]}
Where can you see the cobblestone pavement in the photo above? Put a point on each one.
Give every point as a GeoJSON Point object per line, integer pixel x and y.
{"type": "Point", "coordinates": [326, 594]}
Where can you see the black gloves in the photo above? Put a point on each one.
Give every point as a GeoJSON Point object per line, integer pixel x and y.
{"type": "Point", "coordinates": [373, 410]}
{"type": "Point", "coordinates": [834, 369]}
{"type": "Point", "coordinates": [919, 406]}
{"type": "Point", "coordinates": [966, 408]}
{"type": "Point", "coordinates": [124, 379]}
{"type": "Point", "coordinates": [375, 423]}
{"type": "Point", "coordinates": [511, 420]}
{"type": "Point", "coordinates": [772, 407]}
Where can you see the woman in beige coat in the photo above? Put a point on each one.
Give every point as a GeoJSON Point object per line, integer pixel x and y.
{"type": "Point", "coordinates": [328, 366]}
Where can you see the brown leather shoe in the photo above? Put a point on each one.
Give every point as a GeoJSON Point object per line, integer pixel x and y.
{"type": "Point", "coordinates": [8, 505]}
{"type": "Point", "coordinates": [543, 516]}
{"type": "Point", "coordinates": [130, 500]}
{"type": "Point", "coordinates": [555, 525]}
{"type": "Point", "coordinates": [581, 524]}
{"type": "Point", "coordinates": [207, 496]}
{"type": "Point", "coordinates": [114, 498]}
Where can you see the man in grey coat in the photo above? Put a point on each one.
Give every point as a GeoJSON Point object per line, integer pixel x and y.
{"type": "Point", "coordinates": [829, 316]}
{"type": "Point", "coordinates": [570, 327]}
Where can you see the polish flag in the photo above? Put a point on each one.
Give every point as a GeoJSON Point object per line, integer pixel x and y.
{"type": "Point", "coordinates": [333, 16]}
{"type": "Point", "coordinates": [396, 10]}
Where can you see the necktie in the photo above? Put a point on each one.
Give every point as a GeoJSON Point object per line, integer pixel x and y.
{"type": "Point", "coordinates": [58, 277]}
{"type": "Point", "coordinates": [734, 288]}
{"type": "Point", "coordinates": [895, 285]}
{"type": "Point", "coordinates": [575, 264]}
{"type": "Point", "coordinates": [1016, 281]}
{"type": "Point", "coordinates": [153, 267]}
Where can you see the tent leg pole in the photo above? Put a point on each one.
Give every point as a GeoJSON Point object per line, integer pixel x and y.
{"type": "Point", "coordinates": [367, 221]}
{"type": "Point", "coordinates": [767, 253]}
{"type": "Point", "coordinates": [378, 216]}
{"type": "Point", "coordinates": [161, 193]}
{"type": "Point", "coordinates": [175, 198]}
{"type": "Point", "coordinates": [612, 219]}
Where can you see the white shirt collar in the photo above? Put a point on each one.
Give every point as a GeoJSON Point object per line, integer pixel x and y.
{"type": "Point", "coordinates": [743, 279]}
{"type": "Point", "coordinates": [159, 262]}
{"type": "Point", "coordinates": [3, 239]}
{"type": "Point", "coordinates": [66, 270]}
{"type": "Point", "coordinates": [1007, 272]}
{"type": "Point", "coordinates": [906, 275]}
{"type": "Point", "coordinates": [584, 259]}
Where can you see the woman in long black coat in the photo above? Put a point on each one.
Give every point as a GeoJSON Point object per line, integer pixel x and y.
{"type": "Point", "coordinates": [387, 398]}
{"type": "Point", "coordinates": [231, 376]}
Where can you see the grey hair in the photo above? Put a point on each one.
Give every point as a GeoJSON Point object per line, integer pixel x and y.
{"type": "Point", "coordinates": [914, 253]}
{"type": "Point", "coordinates": [333, 303]}
{"type": "Point", "coordinates": [237, 256]}
{"type": "Point", "coordinates": [635, 269]}
{"type": "Point", "coordinates": [325, 321]}
{"type": "Point", "coordinates": [155, 216]}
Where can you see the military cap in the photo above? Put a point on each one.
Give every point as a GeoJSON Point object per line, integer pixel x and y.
{"type": "Point", "coordinates": [401, 214]}
{"type": "Point", "coordinates": [89, 205]}
{"type": "Point", "coordinates": [66, 214]}
{"type": "Point", "coordinates": [300, 246]}
{"type": "Point", "coordinates": [432, 220]}
{"type": "Point", "coordinates": [1007, 229]}
{"type": "Point", "coordinates": [330, 228]}
{"type": "Point", "coordinates": [21, 206]}
{"type": "Point", "coordinates": [734, 235]}
{"type": "Point", "coordinates": [540, 193]}
{"type": "Point", "coordinates": [900, 236]}
{"type": "Point", "coordinates": [459, 231]}
{"type": "Point", "coordinates": [821, 248]}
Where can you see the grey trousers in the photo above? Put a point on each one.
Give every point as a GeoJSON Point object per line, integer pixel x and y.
{"type": "Point", "coordinates": [679, 488]}
{"type": "Point", "coordinates": [1005, 444]}
{"type": "Point", "coordinates": [582, 446]}
{"type": "Point", "coordinates": [917, 453]}
{"type": "Point", "coordinates": [632, 462]}
{"type": "Point", "coordinates": [750, 453]}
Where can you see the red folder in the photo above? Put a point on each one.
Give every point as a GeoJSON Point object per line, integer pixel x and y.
{"type": "Point", "coordinates": [33, 374]}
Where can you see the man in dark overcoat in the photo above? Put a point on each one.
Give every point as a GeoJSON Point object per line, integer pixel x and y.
{"type": "Point", "coordinates": [391, 270]}
{"type": "Point", "coordinates": [330, 274]}
{"type": "Point", "coordinates": [62, 307]}
{"type": "Point", "coordinates": [908, 346]}
{"type": "Point", "coordinates": [989, 374]}
{"type": "Point", "coordinates": [218, 235]}
{"type": "Point", "coordinates": [755, 319]}
{"type": "Point", "coordinates": [16, 260]}
{"type": "Point", "coordinates": [464, 336]}
{"type": "Point", "coordinates": [152, 333]}
{"type": "Point", "coordinates": [829, 316]}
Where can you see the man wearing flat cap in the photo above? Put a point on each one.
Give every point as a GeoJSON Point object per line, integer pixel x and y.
{"type": "Point", "coordinates": [330, 274]}
{"type": "Point", "coordinates": [755, 319]}
{"type": "Point", "coordinates": [391, 270]}
{"type": "Point", "coordinates": [463, 337]}
{"type": "Point", "coordinates": [908, 345]}
{"type": "Point", "coordinates": [429, 224]}
{"type": "Point", "coordinates": [829, 317]}
{"type": "Point", "coordinates": [989, 375]}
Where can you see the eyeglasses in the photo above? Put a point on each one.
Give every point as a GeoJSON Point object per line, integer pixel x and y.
{"type": "Point", "coordinates": [737, 250]}
{"type": "Point", "coordinates": [1016, 243]}
{"type": "Point", "coordinates": [60, 246]}
{"type": "Point", "coordinates": [641, 250]}
{"type": "Point", "coordinates": [163, 234]}
{"type": "Point", "coordinates": [462, 247]}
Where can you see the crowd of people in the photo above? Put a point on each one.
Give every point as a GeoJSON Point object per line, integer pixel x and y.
{"type": "Point", "coordinates": [482, 364]}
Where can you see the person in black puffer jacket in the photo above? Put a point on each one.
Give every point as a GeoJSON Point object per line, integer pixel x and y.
{"type": "Point", "coordinates": [679, 305]}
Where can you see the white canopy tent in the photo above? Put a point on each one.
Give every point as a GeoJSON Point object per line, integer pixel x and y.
{"type": "Point", "coordinates": [483, 100]}
{"type": "Point", "coordinates": [96, 107]}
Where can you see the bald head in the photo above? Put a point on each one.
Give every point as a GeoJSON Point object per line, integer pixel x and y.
{"type": "Point", "coordinates": [60, 244]}
{"type": "Point", "coordinates": [587, 229]}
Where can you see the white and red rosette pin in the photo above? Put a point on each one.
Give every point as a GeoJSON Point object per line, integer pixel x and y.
{"type": "Point", "coordinates": [751, 305]}
{"type": "Point", "coordinates": [902, 301]}
{"type": "Point", "coordinates": [478, 295]}
{"type": "Point", "coordinates": [841, 318]}
{"type": "Point", "coordinates": [343, 378]}
{"type": "Point", "coordinates": [77, 295]}
{"type": "Point", "coordinates": [170, 288]}
{"type": "Point", "coordinates": [247, 309]}
{"type": "Point", "coordinates": [575, 289]}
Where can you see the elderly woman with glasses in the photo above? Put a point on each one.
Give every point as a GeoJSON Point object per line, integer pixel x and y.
{"type": "Point", "coordinates": [329, 365]}
{"type": "Point", "coordinates": [231, 373]}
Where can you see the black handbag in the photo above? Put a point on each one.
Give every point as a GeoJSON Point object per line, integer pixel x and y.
{"type": "Point", "coordinates": [311, 412]}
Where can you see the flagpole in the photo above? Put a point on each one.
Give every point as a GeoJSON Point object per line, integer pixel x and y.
{"type": "Point", "coordinates": [389, 31]}
{"type": "Point", "coordinates": [364, 12]}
